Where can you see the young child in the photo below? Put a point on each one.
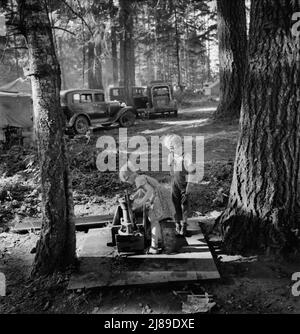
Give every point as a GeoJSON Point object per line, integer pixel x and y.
{"type": "Point", "coordinates": [151, 193]}
{"type": "Point", "coordinates": [182, 173]}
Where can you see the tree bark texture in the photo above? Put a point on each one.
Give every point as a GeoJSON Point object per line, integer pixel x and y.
{"type": "Point", "coordinates": [232, 35]}
{"type": "Point", "coordinates": [62, 63]}
{"type": "Point", "coordinates": [94, 66]}
{"type": "Point", "coordinates": [56, 247]}
{"type": "Point", "coordinates": [114, 55]}
{"type": "Point", "coordinates": [177, 40]}
{"type": "Point", "coordinates": [126, 20]}
{"type": "Point", "coordinates": [114, 13]}
{"type": "Point", "coordinates": [122, 52]}
{"type": "Point", "coordinates": [263, 204]}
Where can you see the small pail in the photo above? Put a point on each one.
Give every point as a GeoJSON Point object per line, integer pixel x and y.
{"type": "Point", "coordinates": [169, 238]}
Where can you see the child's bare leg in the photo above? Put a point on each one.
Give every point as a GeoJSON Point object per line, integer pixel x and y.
{"type": "Point", "coordinates": [185, 213]}
{"type": "Point", "coordinates": [155, 234]}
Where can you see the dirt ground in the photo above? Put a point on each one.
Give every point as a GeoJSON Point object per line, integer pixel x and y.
{"type": "Point", "coordinates": [256, 284]}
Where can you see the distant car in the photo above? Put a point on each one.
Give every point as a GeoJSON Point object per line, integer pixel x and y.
{"type": "Point", "coordinates": [138, 95]}
{"type": "Point", "coordinates": [118, 93]}
{"type": "Point", "coordinates": [160, 99]}
{"type": "Point", "coordinates": [86, 107]}
{"type": "Point", "coordinates": [156, 98]}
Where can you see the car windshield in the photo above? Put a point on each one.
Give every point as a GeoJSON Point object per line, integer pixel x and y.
{"type": "Point", "coordinates": [138, 91]}
{"type": "Point", "coordinates": [161, 91]}
{"type": "Point", "coordinates": [99, 97]}
{"type": "Point", "coordinates": [82, 98]}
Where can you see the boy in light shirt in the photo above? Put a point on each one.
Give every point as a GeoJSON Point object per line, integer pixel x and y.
{"type": "Point", "coordinates": [182, 173]}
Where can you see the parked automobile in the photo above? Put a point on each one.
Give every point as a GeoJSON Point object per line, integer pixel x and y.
{"type": "Point", "coordinates": [160, 99]}
{"type": "Point", "coordinates": [86, 107]}
{"type": "Point", "coordinates": [156, 98]}
{"type": "Point", "coordinates": [139, 96]}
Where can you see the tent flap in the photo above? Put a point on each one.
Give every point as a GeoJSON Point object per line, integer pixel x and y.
{"type": "Point", "coordinates": [15, 110]}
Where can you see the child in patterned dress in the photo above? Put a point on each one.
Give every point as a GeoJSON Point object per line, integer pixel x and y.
{"type": "Point", "coordinates": [155, 196]}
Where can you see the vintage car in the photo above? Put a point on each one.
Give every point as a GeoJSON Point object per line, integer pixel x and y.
{"type": "Point", "coordinates": [84, 108]}
{"type": "Point", "coordinates": [139, 96]}
{"type": "Point", "coordinates": [160, 99]}
{"type": "Point", "coordinates": [157, 98]}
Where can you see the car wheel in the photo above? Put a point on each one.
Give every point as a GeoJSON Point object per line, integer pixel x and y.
{"type": "Point", "coordinates": [81, 125]}
{"type": "Point", "coordinates": [127, 119]}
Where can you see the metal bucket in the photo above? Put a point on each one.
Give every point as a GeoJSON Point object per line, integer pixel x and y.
{"type": "Point", "coordinates": [168, 236]}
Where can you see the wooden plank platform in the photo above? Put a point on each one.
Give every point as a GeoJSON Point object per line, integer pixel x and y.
{"type": "Point", "coordinates": [81, 223]}
{"type": "Point", "coordinates": [101, 267]}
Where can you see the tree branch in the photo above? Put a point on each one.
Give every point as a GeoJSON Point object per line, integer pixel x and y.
{"type": "Point", "coordinates": [79, 16]}
{"type": "Point", "coordinates": [63, 29]}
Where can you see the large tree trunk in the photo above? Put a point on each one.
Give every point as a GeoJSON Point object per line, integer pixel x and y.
{"type": "Point", "coordinates": [126, 20]}
{"type": "Point", "coordinates": [114, 55]}
{"type": "Point", "coordinates": [94, 66]}
{"type": "Point", "coordinates": [232, 34]}
{"type": "Point", "coordinates": [262, 210]}
{"type": "Point", "coordinates": [150, 73]}
{"type": "Point", "coordinates": [62, 63]}
{"type": "Point", "coordinates": [114, 51]}
{"type": "Point", "coordinates": [121, 67]}
{"type": "Point", "coordinates": [56, 247]}
{"type": "Point", "coordinates": [91, 61]}
{"type": "Point", "coordinates": [132, 61]}
{"type": "Point", "coordinates": [177, 43]}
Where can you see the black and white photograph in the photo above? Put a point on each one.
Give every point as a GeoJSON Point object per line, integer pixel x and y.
{"type": "Point", "coordinates": [149, 160]}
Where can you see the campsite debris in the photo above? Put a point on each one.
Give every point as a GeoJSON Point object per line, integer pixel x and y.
{"type": "Point", "coordinates": [195, 303]}
{"type": "Point", "coordinates": [198, 304]}
{"type": "Point", "coordinates": [147, 309]}
{"type": "Point", "coordinates": [221, 198]}
{"type": "Point", "coordinates": [47, 305]}
{"type": "Point", "coordinates": [180, 293]}
{"type": "Point", "coordinates": [95, 310]}
{"type": "Point", "coordinates": [13, 136]}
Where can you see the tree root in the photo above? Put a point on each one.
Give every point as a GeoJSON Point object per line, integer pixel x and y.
{"type": "Point", "coordinates": [246, 235]}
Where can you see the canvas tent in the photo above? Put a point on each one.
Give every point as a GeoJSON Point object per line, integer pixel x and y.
{"type": "Point", "coordinates": [15, 110]}
{"type": "Point", "coordinates": [16, 105]}
{"type": "Point", "coordinates": [19, 85]}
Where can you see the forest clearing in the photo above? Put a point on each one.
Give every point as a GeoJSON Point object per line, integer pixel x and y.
{"type": "Point", "coordinates": [149, 158]}
{"type": "Point", "coordinates": [245, 280]}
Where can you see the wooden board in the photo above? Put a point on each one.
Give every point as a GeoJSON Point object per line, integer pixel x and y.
{"type": "Point", "coordinates": [81, 223]}
{"type": "Point", "coordinates": [100, 266]}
